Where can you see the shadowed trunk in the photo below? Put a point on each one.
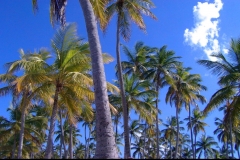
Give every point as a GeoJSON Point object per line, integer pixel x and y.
{"type": "Point", "coordinates": [105, 138]}
{"type": "Point", "coordinates": [71, 142]}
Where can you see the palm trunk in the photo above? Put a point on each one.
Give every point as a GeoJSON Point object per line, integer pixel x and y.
{"type": "Point", "coordinates": [170, 147]}
{"type": "Point", "coordinates": [13, 149]}
{"type": "Point", "coordinates": [191, 134]}
{"type": "Point", "coordinates": [48, 154]}
{"type": "Point", "coordinates": [177, 138]}
{"type": "Point", "coordinates": [105, 141]}
{"type": "Point", "coordinates": [157, 128]}
{"type": "Point", "coordinates": [123, 97]}
{"type": "Point", "coordinates": [231, 136]}
{"type": "Point", "coordinates": [195, 140]}
{"type": "Point", "coordinates": [71, 142]}
{"type": "Point", "coordinates": [23, 115]}
{"type": "Point", "coordinates": [62, 135]}
{"type": "Point", "coordinates": [144, 143]}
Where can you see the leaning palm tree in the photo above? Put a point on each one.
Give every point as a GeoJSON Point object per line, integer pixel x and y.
{"type": "Point", "coordinates": [226, 67]}
{"type": "Point", "coordinates": [57, 10]}
{"type": "Point", "coordinates": [126, 11]}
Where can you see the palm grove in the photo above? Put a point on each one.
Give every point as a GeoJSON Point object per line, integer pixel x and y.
{"type": "Point", "coordinates": [49, 100]}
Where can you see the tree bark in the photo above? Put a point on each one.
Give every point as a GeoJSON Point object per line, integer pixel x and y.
{"type": "Point", "coordinates": [48, 154]}
{"type": "Point", "coordinates": [105, 138]}
{"type": "Point", "coordinates": [23, 115]}
{"type": "Point", "coordinates": [177, 139]}
{"type": "Point", "coordinates": [127, 152]}
{"type": "Point", "coordinates": [71, 141]}
{"type": "Point", "coordinates": [191, 134]}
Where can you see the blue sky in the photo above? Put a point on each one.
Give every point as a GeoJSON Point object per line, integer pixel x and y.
{"type": "Point", "coordinates": [192, 28]}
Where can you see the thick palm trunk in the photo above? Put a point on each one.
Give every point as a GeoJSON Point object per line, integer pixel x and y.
{"type": "Point", "coordinates": [48, 154]}
{"type": "Point", "coordinates": [191, 134]}
{"type": "Point", "coordinates": [195, 146]}
{"type": "Point", "coordinates": [105, 138]}
{"type": "Point", "coordinates": [71, 142]}
{"type": "Point", "coordinates": [86, 144]}
{"type": "Point", "coordinates": [23, 115]}
{"type": "Point", "coordinates": [127, 152]}
{"type": "Point", "coordinates": [177, 138]}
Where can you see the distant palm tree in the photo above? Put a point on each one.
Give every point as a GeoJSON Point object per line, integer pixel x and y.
{"type": "Point", "coordinates": [184, 91]}
{"type": "Point", "coordinates": [137, 59]}
{"type": "Point", "coordinates": [161, 64]}
{"type": "Point", "coordinates": [205, 145]}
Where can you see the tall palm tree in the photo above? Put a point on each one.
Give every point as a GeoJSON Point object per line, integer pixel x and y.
{"type": "Point", "coordinates": [206, 144]}
{"type": "Point", "coordinates": [161, 65]}
{"type": "Point", "coordinates": [105, 148]}
{"type": "Point", "coordinates": [126, 11]}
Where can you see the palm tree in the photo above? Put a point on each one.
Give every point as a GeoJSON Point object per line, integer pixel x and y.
{"type": "Point", "coordinates": [127, 10]}
{"type": "Point", "coordinates": [205, 145]}
{"type": "Point", "coordinates": [137, 59]}
{"type": "Point", "coordinates": [161, 65]}
{"type": "Point", "coordinates": [33, 135]}
{"type": "Point", "coordinates": [184, 91]}
{"type": "Point", "coordinates": [23, 87]}
{"type": "Point", "coordinates": [226, 67]}
{"type": "Point", "coordinates": [105, 148]}
{"type": "Point", "coordinates": [170, 132]}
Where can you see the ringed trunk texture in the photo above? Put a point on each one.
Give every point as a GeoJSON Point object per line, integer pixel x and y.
{"type": "Point", "coordinates": [23, 115]}
{"type": "Point", "coordinates": [127, 152]}
{"type": "Point", "coordinates": [105, 139]}
{"type": "Point", "coordinates": [48, 154]}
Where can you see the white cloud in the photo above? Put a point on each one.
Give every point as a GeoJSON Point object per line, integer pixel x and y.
{"type": "Point", "coordinates": [205, 32]}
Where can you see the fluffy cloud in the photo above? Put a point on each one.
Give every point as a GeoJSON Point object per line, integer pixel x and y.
{"type": "Point", "coordinates": [205, 31]}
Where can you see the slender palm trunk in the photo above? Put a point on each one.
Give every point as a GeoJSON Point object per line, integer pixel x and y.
{"type": "Point", "coordinates": [62, 135]}
{"type": "Point", "coordinates": [105, 139]}
{"type": "Point", "coordinates": [20, 147]}
{"type": "Point", "coordinates": [191, 133]}
{"type": "Point", "coordinates": [13, 149]}
{"type": "Point", "coordinates": [157, 128]}
{"type": "Point", "coordinates": [170, 145]}
{"type": "Point", "coordinates": [123, 97]}
{"type": "Point", "coordinates": [230, 124]}
{"type": "Point", "coordinates": [71, 142]}
{"type": "Point", "coordinates": [177, 138]}
{"type": "Point", "coordinates": [195, 140]}
{"type": "Point", "coordinates": [144, 143]}
{"type": "Point", "coordinates": [48, 154]}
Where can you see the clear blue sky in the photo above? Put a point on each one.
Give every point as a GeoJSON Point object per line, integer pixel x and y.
{"type": "Point", "coordinates": [192, 28]}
